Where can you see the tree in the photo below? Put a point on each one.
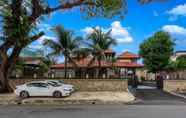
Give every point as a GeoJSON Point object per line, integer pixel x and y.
{"type": "Point", "coordinates": [156, 51]}
{"type": "Point", "coordinates": [20, 17]}
{"type": "Point", "coordinates": [65, 44]}
{"type": "Point", "coordinates": [98, 43]}
{"type": "Point", "coordinates": [180, 63]}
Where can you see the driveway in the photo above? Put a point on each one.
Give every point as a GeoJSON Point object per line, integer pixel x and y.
{"type": "Point", "coordinates": [153, 96]}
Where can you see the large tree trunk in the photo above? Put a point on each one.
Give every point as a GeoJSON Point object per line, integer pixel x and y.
{"type": "Point", "coordinates": [4, 86]}
{"type": "Point", "coordinates": [5, 68]}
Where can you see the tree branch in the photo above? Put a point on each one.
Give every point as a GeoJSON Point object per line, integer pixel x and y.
{"type": "Point", "coordinates": [35, 37]}
{"type": "Point", "coordinates": [38, 10]}
{"type": "Point", "coordinates": [67, 5]}
{"type": "Point", "coordinates": [14, 56]}
{"type": "Point", "coordinates": [4, 48]}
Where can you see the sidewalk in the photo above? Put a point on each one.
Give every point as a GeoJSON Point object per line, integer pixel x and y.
{"type": "Point", "coordinates": [9, 98]}
{"type": "Point", "coordinates": [75, 98]}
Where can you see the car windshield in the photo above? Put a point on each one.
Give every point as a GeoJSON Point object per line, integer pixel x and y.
{"type": "Point", "coordinates": [55, 84]}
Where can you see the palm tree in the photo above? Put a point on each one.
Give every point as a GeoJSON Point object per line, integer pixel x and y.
{"type": "Point", "coordinates": [65, 44]}
{"type": "Point", "coordinates": [99, 41]}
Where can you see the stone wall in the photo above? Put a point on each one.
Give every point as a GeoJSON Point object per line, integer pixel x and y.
{"type": "Point", "coordinates": [179, 74]}
{"type": "Point", "coordinates": [175, 85]}
{"type": "Point", "coordinates": [84, 84]}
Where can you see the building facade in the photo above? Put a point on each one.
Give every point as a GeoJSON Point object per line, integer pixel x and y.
{"type": "Point", "coordinates": [113, 66]}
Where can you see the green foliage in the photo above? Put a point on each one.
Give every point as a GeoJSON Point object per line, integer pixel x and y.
{"type": "Point", "coordinates": [16, 27]}
{"type": "Point", "coordinates": [81, 52]}
{"type": "Point", "coordinates": [65, 43]}
{"type": "Point", "coordinates": [180, 63]}
{"type": "Point", "coordinates": [156, 51]}
{"type": "Point", "coordinates": [98, 42]}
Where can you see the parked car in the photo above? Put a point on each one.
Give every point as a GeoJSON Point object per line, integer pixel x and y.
{"type": "Point", "coordinates": [60, 82]}
{"type": "Point", "coordinates": [41, 88]}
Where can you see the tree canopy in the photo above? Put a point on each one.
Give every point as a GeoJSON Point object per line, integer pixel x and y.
{"type": "Point", "coordinates": [156, 51]}
{"type": "Point", "coordinates": [180, 63]}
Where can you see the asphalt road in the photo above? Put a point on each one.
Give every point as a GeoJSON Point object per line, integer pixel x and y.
{"type": "Point", "coordinates": [157, 97]}
{"type": "Point", "coordinates": [94, 111]}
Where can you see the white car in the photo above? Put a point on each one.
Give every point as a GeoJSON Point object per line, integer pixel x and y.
{"type": "Point", "coordinates": [41, 88]}
{"type": "Point", "coordinates": [60, 82]}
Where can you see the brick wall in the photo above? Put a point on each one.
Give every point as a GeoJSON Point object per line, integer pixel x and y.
{"type": "Point", "coordinates": [84, 84]}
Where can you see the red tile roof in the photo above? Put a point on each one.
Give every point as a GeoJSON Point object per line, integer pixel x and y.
{"type": "Point", "coordinates": [128, 55]}
{"type": "Point", "coordinates": [58, 66]}
{"type": "Point", "coordinates": [83, 63]}
{"type": "Point", "coordinates": [128, 65]}
{"type": "Point", "coordinates": [32, 60]}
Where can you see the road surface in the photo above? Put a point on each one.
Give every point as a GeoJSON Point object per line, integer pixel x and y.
{"type": "Point", "coordinates": [94, 111]}
{"type": "Point", "coordinates": [157, 97]}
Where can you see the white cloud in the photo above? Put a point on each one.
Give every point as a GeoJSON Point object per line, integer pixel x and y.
{"type": "Point", "coordinates": [120, 33]}
{"type": "Point", "coordinates": [179, 10]}
{"type": "Point", "coordinates": [177, 32]}
{"type": "Point", "coordinates": [87, 30]}
{"type": "Point", "coordinates": [41, 40]}
{"type": "Point", "coordinates": [174, 29]}
{"type": "Point", "coordinates": [44, 27]}
{"type": "Point", "coordinates": [38, 44]}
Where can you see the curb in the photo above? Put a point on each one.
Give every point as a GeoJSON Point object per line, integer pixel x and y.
{"type": "Point", "coordinates": [59, 102]}
{"type": "Point", "coordinates": [177, 94]}
{"type": "Point", "coordinates": [70, 102]}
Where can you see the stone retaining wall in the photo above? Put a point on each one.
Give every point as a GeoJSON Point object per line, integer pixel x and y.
{"type": "Point", "coordinates": [174, 85]}
{"type": "Point", "coordinates": [176, 75]}
{"type": "Point", "coordinates": [84, 84]}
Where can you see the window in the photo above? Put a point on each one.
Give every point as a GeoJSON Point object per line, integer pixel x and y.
{"type": "Point", "coordinates": [55, 84]}
{"type": "Point", "coordinates": [43, 85]}
{"type": "Point", "coordinates": [33, 85]}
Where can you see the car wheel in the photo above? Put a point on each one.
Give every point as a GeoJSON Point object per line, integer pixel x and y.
{"type": "Point", "coordinates": [57, 94]}
{"type": "Point", "coordinates": [24, 94]}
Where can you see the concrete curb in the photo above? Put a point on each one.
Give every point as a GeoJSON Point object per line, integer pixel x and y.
{"type": "Point", "coordinates": [61, 102]}
{"type": "Point", "coordinates": [71, 102]}
{"type": "Point", "coordinates": [177, 94]}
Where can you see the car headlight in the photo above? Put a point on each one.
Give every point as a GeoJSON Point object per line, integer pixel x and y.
{"type": "Point", "coordinates": [66, 89]}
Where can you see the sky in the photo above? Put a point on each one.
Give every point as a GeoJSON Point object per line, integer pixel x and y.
{"type": "Point", "coordinates": [140, 22]}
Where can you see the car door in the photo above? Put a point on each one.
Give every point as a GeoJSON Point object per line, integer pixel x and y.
{"type": "Point", "coordinates": [33, 89]}
{"type": "Point", "coordinates": [44, 89]}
